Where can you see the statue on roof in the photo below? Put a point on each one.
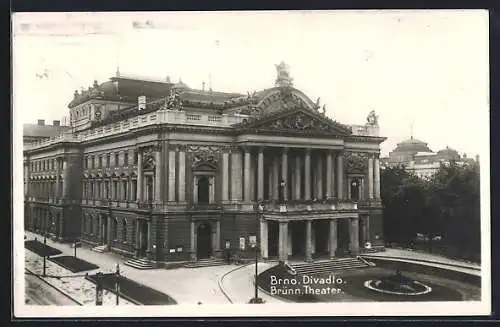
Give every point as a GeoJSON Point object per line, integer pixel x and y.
{"type": "Point", "coordinates": [283, 78]}
{"type": "Point", "coordinates": [317, 105]}
{"type": "Point", "coordinates": [174, 101]}
{"type": "Point", "coordinates": [372, 118]}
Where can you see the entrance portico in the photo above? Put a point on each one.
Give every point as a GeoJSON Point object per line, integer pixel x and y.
{"type": "Point", "coordinates": [310, 238]}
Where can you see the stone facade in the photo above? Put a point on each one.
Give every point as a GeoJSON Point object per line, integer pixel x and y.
{"type": "Point", "coordinates": [204, 177]}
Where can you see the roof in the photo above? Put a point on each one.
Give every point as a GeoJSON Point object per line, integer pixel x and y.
{"type": "Point", "coordinates": [35, 130]}
{"type": "Point", "coordinates": [412, 145]}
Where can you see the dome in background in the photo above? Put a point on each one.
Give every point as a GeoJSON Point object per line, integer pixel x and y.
{"type": "Point", "coordinates": [412, 145]}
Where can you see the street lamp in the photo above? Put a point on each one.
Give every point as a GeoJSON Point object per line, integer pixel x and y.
{"type": "Point", "coordinates": [256, 299]}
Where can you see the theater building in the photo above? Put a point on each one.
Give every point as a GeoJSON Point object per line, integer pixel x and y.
{"type": "Point", "coordinates": [162, 171]}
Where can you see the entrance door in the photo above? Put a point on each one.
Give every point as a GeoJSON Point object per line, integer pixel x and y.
{"type": "Point", "coordinates": [272, 239]}
{"type": "Point", "coordinates": [298, 233]}
{"type": "Point", "coordinates": [343, 237]}
{"type": "Point", "coordinates": [204, 241]}
{"type": "Point", "coordinates": [144, 237]}
{"type": "Point", "coordinates": [321, 231]}
{"type": "Point", "coordinates": [203, 190]}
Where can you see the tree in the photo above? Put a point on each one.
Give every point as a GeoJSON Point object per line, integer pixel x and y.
{"type": "Point", "coordinates": [447, 206]}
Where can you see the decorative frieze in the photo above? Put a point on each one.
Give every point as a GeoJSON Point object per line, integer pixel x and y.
{"type": "Point", "coordinates": [148, 159]}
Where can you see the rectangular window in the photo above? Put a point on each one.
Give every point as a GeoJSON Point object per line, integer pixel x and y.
{"type": "Point", "coordinates": [108, 160]}
{"type": "Point", "coordinates": [93, 162]}
{"type": "Point", "coordinates": [134, 187]}
{"type": "Point", "coordinates": [115, 187]}
{"type": "Point", "coordinates": [125, 158]}
{"type": "Point", "coordinates": [136, 157]}
{"type": "Point", "coordinates": [117, 163]}
{"type": "Point", "coordinates": [100, 162]}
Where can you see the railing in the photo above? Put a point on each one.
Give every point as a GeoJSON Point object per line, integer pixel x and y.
{"type": "Point", "coordinates": [297, 206]}
{"type": "Point", "coordinates": [158, 117]}
{"type": "Point", "coordinates": [365, 130]}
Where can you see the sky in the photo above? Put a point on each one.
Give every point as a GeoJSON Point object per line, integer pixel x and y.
{"type": "Point", "coordinates": [425, 73]}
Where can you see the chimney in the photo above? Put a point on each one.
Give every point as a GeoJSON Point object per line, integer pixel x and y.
{"type": "Point", "coordinates": [41, 122]}
{"type": "Point", "coordinates": [56, 123]}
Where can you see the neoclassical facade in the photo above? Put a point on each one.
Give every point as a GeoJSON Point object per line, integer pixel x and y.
{"type": "Point", "coordinates": [170, 173]}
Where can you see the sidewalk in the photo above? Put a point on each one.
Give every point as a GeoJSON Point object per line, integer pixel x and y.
{"type": "Point", "coordinates": [428, 259]}
{"type": "Point", "coordinates": [184, 285]}
{"type": "Point", "coordinates": [239, 284]}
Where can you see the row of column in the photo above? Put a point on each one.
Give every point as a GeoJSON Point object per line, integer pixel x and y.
{"type": "Point", "coordinates": [242, 176]}
{"type": "Point", "coordinates": [46, 188]}
{"type": "Point", "coordinates": [116, 189]}
{"type": "Point", "coordinates": [283, 244]}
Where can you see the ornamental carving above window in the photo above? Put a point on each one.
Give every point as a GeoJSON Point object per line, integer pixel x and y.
{"type": "Point", "coordinates": [204, 160]}
{"type": "Point", "coordinates": [148, 161]}
{"type": "Point", "coordinates": [355, 163]}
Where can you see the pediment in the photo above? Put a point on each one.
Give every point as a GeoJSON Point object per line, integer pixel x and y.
{"type": "Point", "coordinates": [300, 121]}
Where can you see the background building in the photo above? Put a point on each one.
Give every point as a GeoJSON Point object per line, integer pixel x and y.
{"type": "Point", "coordinates": [159, 170]}
{"type": "Point", "coordinates": [40, 131]}
{"type": "Point", "coordinates": [417, 157]}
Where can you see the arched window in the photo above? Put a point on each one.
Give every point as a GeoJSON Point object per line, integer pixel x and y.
{"type": "Point", "coordinates": [114, 229]}
{"type": "Point", "coordinates": [124, 230]}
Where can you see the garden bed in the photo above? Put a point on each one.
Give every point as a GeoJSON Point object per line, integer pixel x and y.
{"type": "Point", "coordinates": [73, 264]}
{"type": "Point", "coordinates": [133, 291]}
{"type": "Point", "coordinates": [41, 249]}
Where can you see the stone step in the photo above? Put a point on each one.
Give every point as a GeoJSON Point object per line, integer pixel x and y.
{"type": "Point", "coordinates": [139, 263]}
{"type": "Point", "coordinates": [100, 248]}
{"type": "Point", "coordinates": [328, 266]}
{"type": "Point", "coordinates": [205, 263]}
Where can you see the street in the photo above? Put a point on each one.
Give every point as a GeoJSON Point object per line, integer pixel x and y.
{"type": "Point", "coordinates": [38, 292]}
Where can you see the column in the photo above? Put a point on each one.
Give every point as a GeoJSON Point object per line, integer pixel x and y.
{"type": "Point", "coordinates": [181, 186]}
{"type": "Point", "coordinates": [308, 240]}
{"type": "Point", "coordinates": [211, 190]}
{"type": "Point", "coordinates": [370, 177]}
{"type": "Point", "coordinates": [284, 172]}
{"type": "Point", "coordinates": [195, 188]}
{"type": "Point", "coordinates": [298, 178]}
{"type": "Point", "coordinates": [193, 241]}
{"type": "Point", "coordinates": [270, 180]}
{"type": "Point", "coordinates": [263, 238]}
{"type": "Point", "coordinates": [349, 181]}
{"type": "Point", "coordinates": [236, 175]}
{"type": "Point", "coordinates": [319, 177]}
{"type": "Point", "coordinates": [225, 176]}
{"type": "Point", "coordinates": [139, 176]}
{"type": "Point", "coordinates": [158, 174]}
{"type": "Point", "coordinates": [307, 176]}
{"type": "Point", "coordinates": [354, 235]}
{"type": "Point", "coordinates": [260, 175]}
{"type": "Point", "coordinates": [377, 177]}
{"type": "Point", "coordinates": [333, 238]}
{"type": "Point", "coordinates": [328, 191]}
{"type": "Point", "coordinates": [58, 180]}
{"type": "Point", "coordinates": [283, 236]}
{"type": "Point", "coordinates": [65, 179]}
{"type": "Point", "coordinates": [276, 183]}
{"type": "Point", "coordinates": [171, 176]}
{"type": "Point", "coordinates": [364, 230]}
{"type": "Point", "coordinates": [340, 176]}
{"type": "Point", "coordinates": [108, 229]}
{"type": "Point", "coordinates": [246, 172]}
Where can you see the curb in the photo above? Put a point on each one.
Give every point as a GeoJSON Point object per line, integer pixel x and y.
{"type": "Point", "coordinates": [57, 289]}
{"type": "Point", "coordinates": [221, 279]}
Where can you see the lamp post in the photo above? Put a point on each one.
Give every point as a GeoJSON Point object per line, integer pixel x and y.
{"type": "Point", "coordinates": [117, 284]}
{"type": "Point", "coordinates": [256, 299]}
{"type": "Point", "coordinates": [110, 202]}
